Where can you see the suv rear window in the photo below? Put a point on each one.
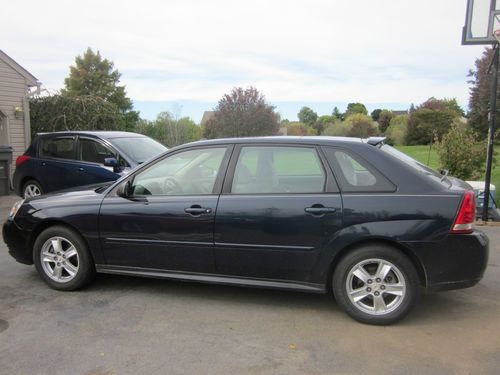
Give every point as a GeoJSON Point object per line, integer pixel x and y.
{"type": "Point", "coordinates": [422, 168]}
{"type": "Point", "coordinates": [63, 148]}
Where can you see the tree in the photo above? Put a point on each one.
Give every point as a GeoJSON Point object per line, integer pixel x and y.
{"type": "Point", "coordinates": [169, 130]}
{"type": "Point", "coordinates": [432, 118]}
{"type": "Point", "coordinates": [307, 116]}
{"type": "Point", "coordinates": [310, 118]}
{"type": "Point", "coordinates": [58, 113]}
{"type": "Point", "coordinates": [479, 99]}
{"type": "Point", "coordinates": [353, 108]}
{"type": "Point", "coordinates": [375, 114]}
{"type": "Point", "coordinates": [94, 76]}
{"type": "Point", "coordinates": [361, 126]}
{"type": "Point", "coordinates": [384, 119]}
{"type": "Point", "coordinates": [242, 113]}
{"type": "Point", "coordinates": [460, 154]}
{"type": "Point", "coordinates": [336, 113]}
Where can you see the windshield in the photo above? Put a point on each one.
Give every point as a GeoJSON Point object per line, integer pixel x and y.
{"type": "Point", "coordinates": [415, 164]}
{"type": "Point", "coordinates": [139, 149]}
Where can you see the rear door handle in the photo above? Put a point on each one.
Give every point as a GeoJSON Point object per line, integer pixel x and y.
{"type": "Point", "coordinates": [81, 169]}
{"type": "Point", "coordinates": [317, 210]}
{"type": "Point", "coordinates": [196, 210]}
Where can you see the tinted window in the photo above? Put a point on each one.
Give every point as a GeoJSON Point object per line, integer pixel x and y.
{"type": "Point", "coordinates": [63, 148]}
{"type": "Point", "coordinates": [416, 165]}
{"type": "Point", "coordinates": [139, 149]}
{"type": "Point", "coordinates": [94, 152]}
{"type": "Point", "coordinates": [354, 174]}
{"type": "Point", "coordinates": [278, 170]}
{"type": "Point", "coordinates": [184, 173]}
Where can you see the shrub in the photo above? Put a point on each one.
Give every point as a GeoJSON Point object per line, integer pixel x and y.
{"type": "Point", "coordinates": [361, 126]}
{"type": "Point", "coordinates": [397, 130]}
{"type": "Point", "coordinates": [338, 129]}
{"type": "Point", "coordinates": [300, 129]}
{"type": "Point", "coordinates": [460, 154]}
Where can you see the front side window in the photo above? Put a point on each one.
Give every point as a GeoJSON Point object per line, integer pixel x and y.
{"type": "Point", "coordinates": [63, 148]}
{"type": "Point", "coordinates": [264, 169]}
{"type": "Point", "coordinates": [94, 152]}
{"type": "Point", "coordinates": [189, 172]}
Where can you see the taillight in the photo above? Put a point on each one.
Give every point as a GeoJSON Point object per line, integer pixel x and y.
{"type": "Point", "coordinates": [464, 222]}
{"type": "Point", "coordinates": [22, 159]}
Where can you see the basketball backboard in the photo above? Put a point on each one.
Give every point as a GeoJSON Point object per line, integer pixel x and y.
{"type": "Point", "coordinates": [482, 19]}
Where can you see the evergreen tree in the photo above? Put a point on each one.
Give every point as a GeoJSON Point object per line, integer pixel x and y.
{"type": "Point", "coordinates": [94, 76]}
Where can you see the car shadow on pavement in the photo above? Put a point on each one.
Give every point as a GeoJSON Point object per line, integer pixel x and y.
{"type": "Point", "coordinates": [432, 308]}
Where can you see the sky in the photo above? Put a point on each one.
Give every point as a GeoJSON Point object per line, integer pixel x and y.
{"type": "Point", "coordinates": [182, 56]}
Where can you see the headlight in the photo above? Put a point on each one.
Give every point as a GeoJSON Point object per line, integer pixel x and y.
{"type": "Point", "coordinates": [15, 208]}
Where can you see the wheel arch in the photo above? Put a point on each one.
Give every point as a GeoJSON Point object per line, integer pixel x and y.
{"type": "Point", "coordinates": [383, 241]}
{"type": "Point", "coordinates": [50, 223]}
{"type": "Point", "coordinates": [24, 180]}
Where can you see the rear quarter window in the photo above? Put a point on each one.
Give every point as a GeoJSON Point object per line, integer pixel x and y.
{"type": "Point", "coordinates": [354, 174]}
{"type": "Point", "coordinates": [62, 148]}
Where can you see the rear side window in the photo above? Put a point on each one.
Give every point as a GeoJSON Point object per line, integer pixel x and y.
{"type": "Point", "coordinates": [63, 148]}
{"type": "Point", "coordinates": [276, 169]}
{"type": "Point", "coordinates": [355, 174]}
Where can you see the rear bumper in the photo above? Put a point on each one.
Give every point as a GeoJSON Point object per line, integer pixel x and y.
{"type": "Point", "coordinates": [459, 261]}
{"type": "Point", "coordinates": [16, 240]}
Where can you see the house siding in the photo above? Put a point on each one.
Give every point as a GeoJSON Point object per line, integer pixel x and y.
{"type": "Point", "coordinates": [13, 89]}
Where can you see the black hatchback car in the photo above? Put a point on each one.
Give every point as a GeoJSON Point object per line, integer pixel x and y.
{"type": "Point", "coordinates": [63, 160]}
{"type": "Point", "coordinates": [315, 214]}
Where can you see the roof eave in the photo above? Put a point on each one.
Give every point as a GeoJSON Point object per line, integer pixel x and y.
{"type": "Point", "coordinates": [31, 80]}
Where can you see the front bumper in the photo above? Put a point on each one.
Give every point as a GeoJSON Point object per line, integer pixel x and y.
{"type": "Point", "coordinates": [16, 240]}
{"type": "Point", "coordinates": [458, 261]}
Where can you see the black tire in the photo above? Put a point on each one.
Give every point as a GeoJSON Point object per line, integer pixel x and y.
{"type": "Point", "coordinates": [78, 262]}
{"type": "Point", "coordinates": [364, 309]}
{"type": "Point", "coordinates": [32, 183]}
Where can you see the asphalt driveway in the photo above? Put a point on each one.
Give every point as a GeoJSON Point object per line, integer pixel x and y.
{"type": "Point", "coordinates": [124, 325]}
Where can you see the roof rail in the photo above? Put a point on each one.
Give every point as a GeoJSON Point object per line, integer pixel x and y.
{"type": "Point", "coordinates": [375, 141]}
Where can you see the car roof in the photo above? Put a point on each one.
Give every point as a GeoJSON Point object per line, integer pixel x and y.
{"type": "Point", "coordinates": [105, 134]}
{"type": "Point", "coordinates": [313, 140]}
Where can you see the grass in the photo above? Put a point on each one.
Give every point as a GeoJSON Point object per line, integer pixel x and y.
{"type": "Point", "coordinates": [421, 153]}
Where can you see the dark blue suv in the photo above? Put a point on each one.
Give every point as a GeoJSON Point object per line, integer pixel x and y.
{"type": "Point", "coordinates": [62, 160]}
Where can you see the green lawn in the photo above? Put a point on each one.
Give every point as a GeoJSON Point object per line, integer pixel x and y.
{"type": "Point", "coordinates": [421, 153]}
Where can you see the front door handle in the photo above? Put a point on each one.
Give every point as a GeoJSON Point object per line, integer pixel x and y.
{"type": "Point", "coordinates": [319, 210]}
{"type": "Point", "coordinates": [81, 169]}
{"type": "Point", "coordinates": [197, 210]}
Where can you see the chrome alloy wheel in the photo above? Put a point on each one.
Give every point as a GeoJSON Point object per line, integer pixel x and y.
{"type": "Point", "coordinates": [60, 260]}
{"type": "Point", "coordinates": [375, 286]}
{"type": "Point", "coordinates": [31, 190]}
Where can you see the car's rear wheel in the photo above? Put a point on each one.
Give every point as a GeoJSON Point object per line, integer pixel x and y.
{"type": "Point", "coordinates": [62, 259]}
{"type": "Point", "coordinates": [32, 189]}
{"type": "Point", "coordinates": [376, 284]}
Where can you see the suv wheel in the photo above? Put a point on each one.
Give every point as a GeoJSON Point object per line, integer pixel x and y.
{"type": "Point", "coordinates": [376, 284]}
{"type": "Point", "coordinates": [32, 189]}
{"type": "Point", "coordinates": [62, 259]}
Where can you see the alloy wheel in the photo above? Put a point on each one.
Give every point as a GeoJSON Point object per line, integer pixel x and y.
{"type": "Point", "coordinates": [375, 286]}
{"type": "Point", "coordinates": [59, 259]}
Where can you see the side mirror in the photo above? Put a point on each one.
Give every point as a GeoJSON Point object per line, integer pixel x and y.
{"type": "Point", "coordinates": [112, 162]}
{"type": "Point", "coordinates": [125, 189]}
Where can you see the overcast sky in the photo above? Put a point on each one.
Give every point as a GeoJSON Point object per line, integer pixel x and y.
{"type": "Point", "coordinates": [182, 56]}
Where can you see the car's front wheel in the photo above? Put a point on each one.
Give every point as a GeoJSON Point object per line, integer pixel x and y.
{"type": "Point", "coordinates": [62, 259]}
{"type": "Point", "coordinates": [376, 284]}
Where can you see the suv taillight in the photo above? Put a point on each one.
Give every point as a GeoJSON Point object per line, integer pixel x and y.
{"type": "Point", "coordinates": [464, 222]}
{"type": "Point", "coordinates": [22, 159]}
